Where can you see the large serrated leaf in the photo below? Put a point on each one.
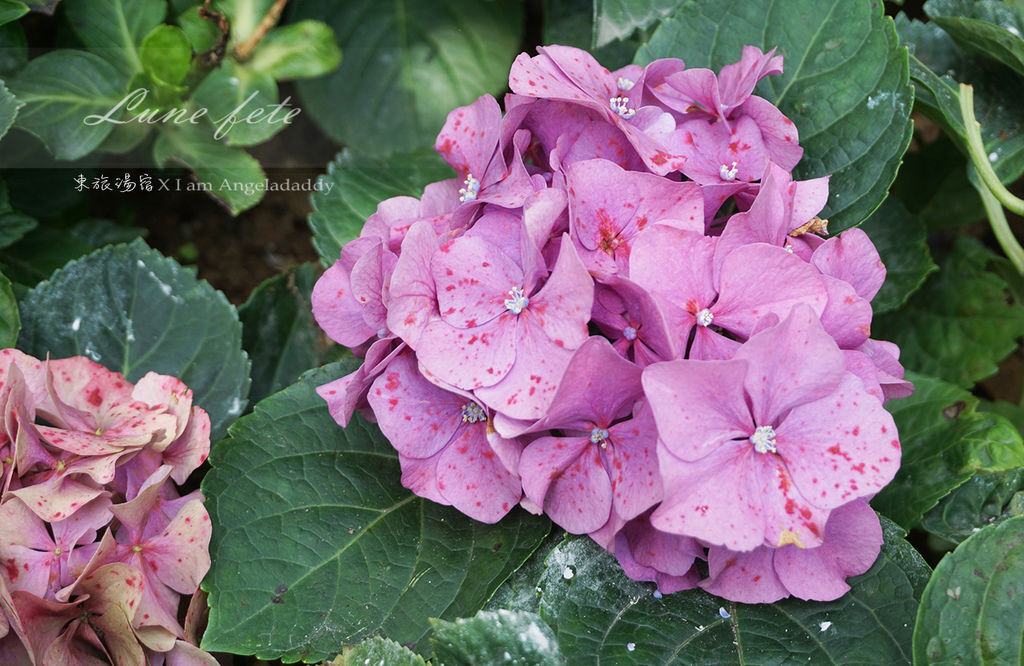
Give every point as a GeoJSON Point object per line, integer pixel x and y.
{"type": "Point", "coordinates": [10, 322]}
{"type": "Point", "coordinates": [985, 498]}
{"type": "Point", "coordinates": [60, 90]}
{"type": "Point", "coordinates": [901, 241]}
{"type": "Point", "coordinates": [316, 543]}
{"type": "Point", "coordinates": [845, 85]}
{"type": "Point", "coordinates": [600, 616]}
{"type": "Point", "coordinates": [407, 64]}
{"type": "Point", "coordinates": [986, 27]}
{"type": "Point", "coordinates": [938, 65]}
{"type": "Point", "coordinates": [945, 441]}
{"type": "Point", "coordinates": [279, 332]}
{"type": "Point", "coordinates": [357, 186]}
{"type": "Point", "coordinates": [959, 325]}
{"type": "Point", "coordinates": [380, 651]}
{"type": "Point", "coordinates": [972, 611]}
{"type": "Point", "coordinates": [114, 29]}
{"type": "Point", "coordinates": [496, 637]}
{"type": "Point", "coordinates": [133, 310]}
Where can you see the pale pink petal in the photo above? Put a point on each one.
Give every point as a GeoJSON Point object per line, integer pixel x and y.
{"type": "Point", "coordinates": [527, 390]}
{"type": "Point", "coordinates": [852, 257]}
{"type": "Point", "coordinates": [472, 477]}
{"type": "Point", "coordinates": [746, 577]}
{"type": "Point", "coordinates": [470, 358]}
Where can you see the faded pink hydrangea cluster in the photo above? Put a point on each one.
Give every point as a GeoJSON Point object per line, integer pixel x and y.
{"type": "Point", "coordinates": [97, 548]}
{"type": "Point", "coordinates": [623, 313]}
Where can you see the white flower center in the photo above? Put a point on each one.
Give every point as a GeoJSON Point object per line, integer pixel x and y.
{"type": "Point", "coordinates": [599, 436]}
{"type": "Point", "coordinates": [469, 189]}
{"type": "Point", "coordinates": [625, 84]}
{"type": "Point", "coordinates": [763, 439]}
{"type": "Point", "coordinates": [620, 105]}
{"type": "Point", "coordinates": [382, 333]}
{"type": "Point", "coordinates": [629, 333]}
{"type": "Point", "coordinates": [728, 174]}
{"type": "Point", "coordinates": [705, 317]}
{"type": "Point", "coordinates": [473, 413]}
{"type": "Point", "coordinates": [518, 302]}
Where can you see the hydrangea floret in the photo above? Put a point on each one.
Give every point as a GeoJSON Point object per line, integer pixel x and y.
{"type": "Point", "coordinates": [625, 313]}
{"type": "Point", "coordinates": [97, 547]}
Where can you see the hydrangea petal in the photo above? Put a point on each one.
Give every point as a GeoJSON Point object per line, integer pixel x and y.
{"type": "Point", "coordinates": [473, 478]}
{"type": "Point", "coordinates": [746, 577]}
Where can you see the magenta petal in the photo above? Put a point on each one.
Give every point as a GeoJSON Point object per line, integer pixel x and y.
{"type": "Point", "coordinates": [543, 460]}
{"type": "Point", "coordinates": [852, 257]}
{"type": "Point", "coordinates": [695, 504]}
{"type": "Point", "coordinates": [748, 578]}
{"type": "Point", "coordinates": [580, 498]}
{"type": "Point", "coordinates": [470, 358]}
{"type": "Point", "coordinates": [562, 307]}
{"type": "Point", "coordinates": [417, 417]}
{"type": "Point", "coordinates": [757, 280]}
{"type": "Point", "coordinates": [633, 465]}
{"type": "Point", "coordinates": [840, 447]}
{"type": "Point", "coordinates": [180, 556]}
{"type": "Point", "coordinates": [420, 476]}
{"type": "Point", "coordinates": [847, 316]}
{"type": "Point", "coordinates": [778, 132]}
{"type": "Point", "coordinates": [780, 377]}
{"type": "Point", "coordinates": [598, 386]}
{"type": "Point", "coordinates": [788, 516]}
{"type": "Point", "coordinates": [413, 295]}
{"type": "Point", "coordinates": [336, 309]}
{"type": "Point", "coordinates": [469, 137]}
{"type": "Point", "coordinates": [527, 390]}
{"type": "Point", "coordinates": [473, 280]}
{"type": "Point", "coordinates": [853, 539]}
{"type": "Point", "coordinates": [472, 477]}
{"type": "Point", "coordinates": [737, 80]}
{"type": "Point", "coordinates": [715, 412]}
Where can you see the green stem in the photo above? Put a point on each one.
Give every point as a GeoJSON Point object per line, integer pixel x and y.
{"type": "Point", "coordinates": [976, 149]}
{"type": "Point", "coordinates": [997, 220]}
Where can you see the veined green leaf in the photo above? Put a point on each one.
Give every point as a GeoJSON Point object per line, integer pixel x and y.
{"type": "Point", "coordinates": [302, 50]}
{"type": "Point", "coordinates": [114, 29]}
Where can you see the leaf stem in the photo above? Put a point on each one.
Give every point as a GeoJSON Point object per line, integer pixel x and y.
{"type": "Point", "coordinates": [244, 50]}
{"type": "Point", "coordinates": [976, 150]}
{"type": "Point", "coordinates": [993, 194]}
{"type": "Point", "coordinates": [1001, 229]}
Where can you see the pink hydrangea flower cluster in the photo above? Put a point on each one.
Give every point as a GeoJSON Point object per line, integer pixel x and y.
{"type": "Point", "coordinates": [96, 545]}
{"type": "Point", "coordinates": [623, 313]}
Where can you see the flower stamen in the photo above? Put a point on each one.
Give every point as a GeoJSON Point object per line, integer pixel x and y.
{"type": "Point", "coordinates": [705, 317]}
{"type": "Point", "coordinates": [728, 174]}
{"type": "Point", "coordinates": [763, 439]}
{"type": "Point", "coordinates": [473, 413]}
{"type": "Point", "coordinates": [470, 189]}
{"type": "Point", "coordinates": [620, 105]}
{"type": "Point", "coordinates": [599, 436]}
{"type": "Point", "coordinates": [518, 302]}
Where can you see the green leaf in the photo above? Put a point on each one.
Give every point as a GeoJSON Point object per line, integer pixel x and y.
{"type": "Point", "coordinates": [905, 556]}
{"type": "Point", "coordinates": [985, 27]}
{"type": "Point", "coordinates": [40, 252]}
{"type": "Point", "coordinates": [279, 332]}
{"type": "Point", "coordinates": [228, 174]}
{"type": "Point", "coordinates": [99, 232]}
{"type": "Point", "coordinates": [135, 311]}
{"type": "Point", "coordinates": [233, 92]}
{"type": "Point", "coordinates": [934, 187]}
{"type": "Point", "coordinates": [11, 10]}
{"type": "Point", "coordinates": [495, 637]}
{"type": "Point", "coordinates": [377, 650]}
{"type": "Point", "coordinates": [973, 608]}
{"type": "Point", "coordinates": [845, 84]}
{"type": "Point", "coordinates": [985, 498]}
{"type": "Point", "coordinates": [958, 325]}
{"type": "Point", "coordinates": [14, 226]}
{"type": "Point", "coordinates": [571, 23]}
{"type": "Point", "coordinates": [407, 64]}
{"type": "Point", "coordinates": [114, 29]}
{"type": "Point", "coordinates": [601, 616]}
{"type": "Point", "coordinates": [166, 54]}
{"type": "Point", "coordinates": [358, 185]}
{"type": "Point", "coordinates": [302, 50]}
{"type": "Point", "coordinates": [945, 441]}
{"type": "Point", "coordinates": [901, 242]}
{"type": "Point", "coordinates": [42, 6]}
{"type": "Point", "coordinates": [60, 90]}
{"type": "Point", "coordinates": [244, 15]}
{"type": "Point", "coordinates": [305, 511]}
{"type": "Point", "coordinates": [996, 93]}
{"type": "Point", "coordinates": [9, 106]}
{"type": "Point", "coordinates": [618, 19]}
{"type": "Point", "coordinates": [202, 34]}
{"type": "Point", "coordinates": [10, 322]}
{"type": "Point", "coordinates": [13, 48]}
